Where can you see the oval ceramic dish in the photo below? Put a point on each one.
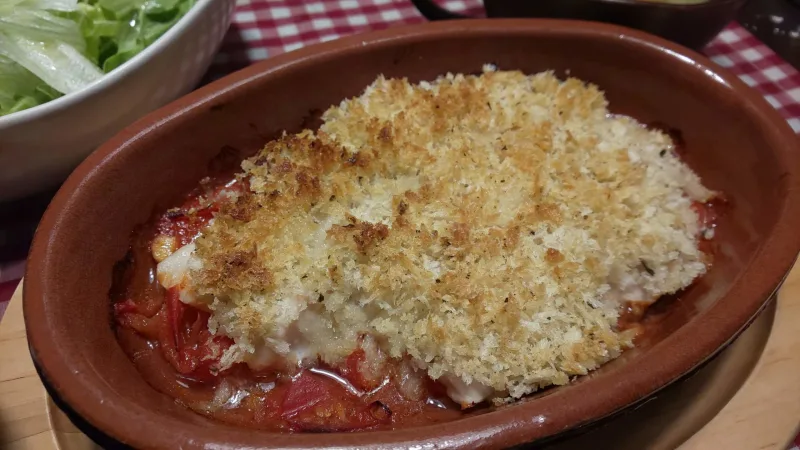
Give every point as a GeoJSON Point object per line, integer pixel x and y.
{"type": "Point", "coordinates": [734, 140]}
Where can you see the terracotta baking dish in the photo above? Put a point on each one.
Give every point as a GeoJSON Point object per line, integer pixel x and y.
{"type": "Point", "coordinates": [733, 139]}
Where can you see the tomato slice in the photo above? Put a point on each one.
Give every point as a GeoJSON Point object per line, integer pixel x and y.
{"type": "Point", "coordinates": [709, 213]}
{"type": "Point", "coordinates": [127, 306]}
{"type": "Point", "coordinates": [706, 215]}
{"type": "Point", "coordinates": [318, 403]}
{"type": "Point", "coordinates": [186, 341]}
{"type": "Point", "coordinates": [185, 227]}
{"type": "Point", "coordinates": [352, 370]}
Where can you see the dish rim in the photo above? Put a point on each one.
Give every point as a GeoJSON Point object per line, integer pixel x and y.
{"type": "Point", "coordinates": [513, 425]}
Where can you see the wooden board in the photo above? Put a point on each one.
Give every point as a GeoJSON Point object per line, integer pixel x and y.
{"type": "Point", "coordinates": [747, 398]}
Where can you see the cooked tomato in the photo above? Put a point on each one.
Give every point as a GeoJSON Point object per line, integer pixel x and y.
{"type": "Point", "coordinates": [318, 403]}
{"type": "Point", "coordinates": [272, 400]}
{"type": "Point", "coordinates": [124, 307]}
{"type": "Point", "coordinates": [352, 371]}
{"type": "Point", "coordinates": [186, 341]}
{"type": "Point", "coordinates": [631, 314]}
{"type": "Point", "coordinates": [185, 227]}
{"type": "Point", "coordinates": [706, 214]}
{"type": "Point", "coordinates": [185, 223]}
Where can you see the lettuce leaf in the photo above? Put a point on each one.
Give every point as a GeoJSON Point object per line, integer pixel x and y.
{"type": "Point", "coordinates": [20, 88]}
{"type": "Point", "coordinates": [56, 63]}
{"type": "Point", "coordinates": [54, 47]}
{"type": "Point", "coordinates": [117, 30]}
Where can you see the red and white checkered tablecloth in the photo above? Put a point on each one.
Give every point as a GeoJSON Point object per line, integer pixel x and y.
{"type": "Point", "coordinates": [265, 28]}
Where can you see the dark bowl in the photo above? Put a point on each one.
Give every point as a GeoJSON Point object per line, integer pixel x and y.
{"type": "Point", "coordinates": [736, 141]}
{"type": "Point", "coordinates": [692, 25]}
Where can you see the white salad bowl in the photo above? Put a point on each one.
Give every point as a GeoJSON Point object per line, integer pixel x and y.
{"type": "Point", "coordinates": [40, 146]}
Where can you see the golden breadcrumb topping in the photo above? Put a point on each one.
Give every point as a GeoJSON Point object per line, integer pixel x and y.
{"type": "Point", "coordinates": [488, 226]}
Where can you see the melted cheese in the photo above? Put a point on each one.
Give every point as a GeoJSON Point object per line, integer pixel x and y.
{"type": "Point", "coordinates": [173, 272]}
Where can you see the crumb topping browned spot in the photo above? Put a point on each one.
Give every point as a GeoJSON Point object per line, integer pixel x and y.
{"type": "Point", "coordinates": [488, 226]}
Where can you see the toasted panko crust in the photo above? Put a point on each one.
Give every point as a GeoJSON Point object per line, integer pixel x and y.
{"type": "Point", "coordinates": [488, 226]}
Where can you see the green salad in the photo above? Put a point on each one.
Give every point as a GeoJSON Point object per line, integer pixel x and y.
{"type": "Point", "coordinates": [53, 47]}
